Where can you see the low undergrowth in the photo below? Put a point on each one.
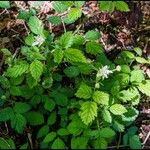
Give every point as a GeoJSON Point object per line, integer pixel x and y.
{"type": "Point", "coordinates": [66, 92]}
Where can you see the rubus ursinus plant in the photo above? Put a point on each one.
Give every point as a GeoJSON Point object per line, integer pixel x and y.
{"type": "Point", "coordinates": [69, 93]}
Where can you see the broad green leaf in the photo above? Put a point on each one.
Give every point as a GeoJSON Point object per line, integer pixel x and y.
{"type": "Point", "coordinates": [144, 87]}
{"type": "Point", "coordinates": [92, 35]}
{"type": "Point", "coordinates": [63, 132]}
{"type": "Point", "coordinates": [49, 104]}
{"type": "Point", "coordinates": [49, 137]}
{"type": "Point", "coordinates": [18, 122]}
{"type": "Point", "coordinates": [58, 144]}
{"type": "Point", "coordinates": [59, 6]}
{"type": "Point", "coordinates": [118, 126]}
{"type": "Point", "coordinates": [71, 71]}
{"type": "Point", "coordinates": [11, 143]}
{"type": "Point", "coordinates": [21, 107]}
{"type": "Point", "coordinates": [16, 90]}
{"type": "Point", "coordinates": [93, 48]}
{"type": "Point", "coordinates": [74, 55]}
{"type": "Point", "coordinates": [88, 112]}
{"type": "Point", "coordinates": [4, 144]}
{"type": "Point", "coordinates": [52, 118]}
{"type": "Point", "coordinates": [138, 51]}
{"type": "Point", "coordinates": [141, 60]}
{"type": "Point", "coordinates": [36, 69]}
{"type": "Point", "coordinates": [134, 142]}
{"type": "Point", "coordinates": [125, 69]}
{"type": "Point", "coordinates": [56, 20]}
{"type": "Point", "coordinates": [4, 4]}
{"type": "Point", "coordinates": [118, 109]}
{"type": "Point", "coordinates": [100, 143]}
{"type": "Point", "coordinates": [34, 118]}
{"type": "Point", "coordinates": [17, 70]}
{"type": "Point", "coordinates": [29, 39]}
{"type": "Point", "coordinates": [78, 40]}
{"type": "Point", "coordinates": [107, 116]}
{"type": "Point", "coordinates": [137, 76]}
{"type": "Point", "coordinates": [107, 6]}
{"type": "Point", "coordinates": [79, 3]}
{"type": "Point", "coordinates": [35, 25]}
{"type": "Point", "coordinates": [6, 114]}
{"type": "Point", "coordinates": [122, 6]}
{"type": "Point", "coordinates": [101, 97]}
{"type": "Point", "coordinates": [73, 15]}
{"type": "Point", "coordinates": [79, 143]}
{"type": "Point", "coordinates": [16, 81]}
{"type": "Point", "coordinates": [43, 131]}
{"type": "Point", "coordinates": [6, 52]}
{"type": "Point", "coordinates": [84, 91]}
{"type": "Point", "coordinates": [106, 132]}
{"type": "Point", "coordinates": [66, 40]}
{"type": "Point", "coordinates": [58, 55]}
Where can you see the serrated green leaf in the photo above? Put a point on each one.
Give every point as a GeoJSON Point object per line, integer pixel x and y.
{"type": "Point", "coordinates": [79, 143]}
{"type": "Point", "coordinates": [88, 112]}
{"type": "Point", "coordinates": [107, 116]}
{"type": "Point", "coordinates": [18, 122]}
{"type": "Point", "coordinates": [52, 118]}
{"type": "Point", "coordinates": [107, 6]}
{"type": "Point", "coordinates": [73, 15]}
{"type": "Point", "coordinates": [34, 118]}
{"type": "Point", "coordinates": [92, 35]}
{"type": "Point", "coordinates": [43, 131]}
{"type": "Point", "coordinates": [71, 71]}
{"type": "Point", "coordinates": [134, 142]}
{"type": "Point", "coordinates": [56, 20]}
{"type": "Point", "coordinates": [145, 87]}
{"type": "Point", "coordinates": [49, 105]}
{"type": "Point", "coordinates": [36, 69]}
{"type": "Point", "coordinates": [122, 6]}
{"type": "Point", "coordinates": [74, 55]}
{"type": "Point", "coordinates": [35, 25]}
{"type": "Point", "coordinates": [58, 56]}
{"type": "Point", "coordinates": [63, 132]}
{"type": "Point", "coordinates": [118, 109]}
{"type": "Point", "coordinates": [58, 144]}
{"type": "Point", "coordinates": [137, 76]}
{"type": "Point", "coordinates": [49, 137]}
{"type": "Point", "coordinates": [93, 48]}
{"type": "Point", "coordinates": [6, 114]}
{"type": "Point", "coordinates": [66, 40]}
{"type": "Point", "coordinates": [59, 6]}
{"type": "Point", "coordinates": [84, 91]}
{"type": "Point", "coordinates": [106, 132]}
{"type": "Point", "coordinates": [29, 39]}
{"type": "Point", "coordinates": [100, 143]}
{"type": "Point", "coordinates": [21, 107]}
{"type": "Point", "coordinates": [101, 97]}
{"type": "Point", "coordinates": [16, 90]}
{"type": "Point", "coordinates": [4, 4]}
{"type": "Point", "coordinates": [17, 70]}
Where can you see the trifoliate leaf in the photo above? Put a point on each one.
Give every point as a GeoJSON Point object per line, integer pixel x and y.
{"type": "Point", "coordinates": [35, 25]}
{"type": "Point", "coordinates": [74, 55]}
{"type": "Point", "coordinates": [144, 87]}
{"type": "Point", "coordinates": [73, 15]}
{"type": "Point", "coordinates": [17, 70]}
{"type": "Point", "coordinates": [88, 112]}
{"type": "Point", "coordinates": [58, 56]}
{"type": "Point", "coordinates": [101, 97]}
{"type": "Point", "coordinates": [92, 35]}
{"type": "Point", "coordinates": [36, 69]}
{"type": "Point", "coordinates": [118, 109]}
{"type": "Point", "coordinates": [84, 91]}
{"type": "Point", "coordinates": [137, 76]}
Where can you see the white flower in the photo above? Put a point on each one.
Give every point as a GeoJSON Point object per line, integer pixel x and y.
{"type": "Point", "coordinates": [104, 72]}
{"type": "Point", "coordinates": [118, 68]}
{"type": "Point", "coordinates": [38, 41]}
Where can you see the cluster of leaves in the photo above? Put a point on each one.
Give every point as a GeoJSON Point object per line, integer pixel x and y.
{"type": "Point", "coordinates": [50, 86]}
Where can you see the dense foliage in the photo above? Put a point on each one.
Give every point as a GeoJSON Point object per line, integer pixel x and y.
{"type": "Point", "coordinates": [67, 90]}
